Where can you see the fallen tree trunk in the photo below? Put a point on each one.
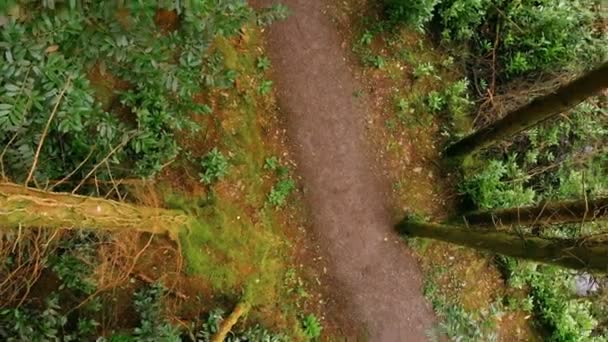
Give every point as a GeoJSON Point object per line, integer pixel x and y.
{"type": "Point", "coordinates": [569, 253]}
{"type": "Point", "coordinates": [535, 112]}
{"type": "Point", "coordinates": [26, 207]}
{"type": "Point", "coordinates": [547, 213]}
{"type": "Point", "coordinates": [226, 326]}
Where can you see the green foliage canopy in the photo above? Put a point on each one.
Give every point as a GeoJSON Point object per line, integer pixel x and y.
{"type": "Point", "coordinates": [47, 57]}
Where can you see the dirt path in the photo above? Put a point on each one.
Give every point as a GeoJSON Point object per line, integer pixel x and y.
{"type": "Point", "coordinates": [374, 273]}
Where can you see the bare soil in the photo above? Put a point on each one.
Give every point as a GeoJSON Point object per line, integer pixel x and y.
{"type": "Point", "coordinates": [375, 279]}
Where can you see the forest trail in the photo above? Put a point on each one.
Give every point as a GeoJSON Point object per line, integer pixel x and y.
{"type": "Point", "coordinates": [373, 274]}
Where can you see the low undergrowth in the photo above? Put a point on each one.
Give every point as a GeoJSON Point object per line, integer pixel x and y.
{"type": "Point", "coordinates": [428, 99]}
{"type": "Point", "coordinates": [567, 163]}
{"type": "Point", "coordinates": [73, 307]}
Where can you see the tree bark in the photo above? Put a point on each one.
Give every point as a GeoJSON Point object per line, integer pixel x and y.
{"type": "Point", "coordinates": [26, 207]}
{"type": "Point", "coordinates": [227, 324]}
{"type": "Point", "coordinates": [539, 110]}
{"type": "Point", "coordinates": [569, 253]}
{"type": "Point", "coordinates": [547, 213]}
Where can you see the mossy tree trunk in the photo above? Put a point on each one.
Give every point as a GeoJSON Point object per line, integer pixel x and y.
{"type": "Point", "coordinates": [26, 207]}
{"type": "Point", "coordinates": [547, 213]}
{"type": "Point", "coordinates": [539, 110]}
{"type": "Point", "coordinates": [570, 253]}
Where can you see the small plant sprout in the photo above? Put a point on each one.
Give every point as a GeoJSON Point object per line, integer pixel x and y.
{"type": "Point", "coordinates": [424, 69]}
{"type": "Point", "coordinates": [378, 62]}
{"type": "Point", "coordinates": [280, 191]}
{"type": "Point", "coordinates": [366, 38]}
{"type": "Point", "coordinates": [311, 327]}
{"type": "Point", "coordinates": [448, 62]}
{"type": "Point", "coordinates": [263, 63]}
{"type": "Point", "coordinates": [436, 101]}
{"type": "Point", "coordinates": [404, 106]}
{"type": "Point", "coordinates": [271, 163]}
{"type": "Point", "coordinates": [265, 87]}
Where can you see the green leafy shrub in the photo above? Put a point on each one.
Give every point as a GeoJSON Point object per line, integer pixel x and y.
{"type": "Point", "coordinates": [152, 324]}
{"type": "Point", "coordinates": [47, 60]}
{"type": "Point", "coordinates": [459, 106]}
{"type": "Point", "coordinates": [73, 273]}
{"type": "Point", "coordinates": [489, 188]}
{"type": "Point", "coordinates": [512, 178]}
{"type": "Point", "coordinates": [412, 12]}
{"type": "Point", "coordinates": [558, 146]}
{"type": "Point", "coordinates": [18, 324]}
{"type": "Point", "coordinates": [73, 266]}
{"type": "Point", "coordinates": [272, 163]}
{"type": "Point", "coordinates": [460, 19]}
{"type": "Point", "coordinates": [568, 318]}
{"type": "Point", "coordinates": [74, 262]}
{"type": "Point", "coordinates": [311, 326]}
{"type": "Point", "coordinates": [533, 36]}
{"type": "Point", "coordinates": [49, 323]}
{"type": "Point", "coordinates": [215, 166]}
{"type": "Point", "coordinates": [556, 33]}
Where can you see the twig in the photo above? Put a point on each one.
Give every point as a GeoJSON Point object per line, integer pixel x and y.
{"type": "Point", "coordinates": [10, 142]}
{"type": "Point", "coordinates": [123, 143]}
{"type": "Point", "coordinates": [586, 203]}
{"type": "Point", "coordinates": [149, 280]}
{"type": "Point", "coordinates": [46, 130]}
{"type": "Point", "coordinates": [492, 89]}
{"type": "Point", "coordinates": [542, 210]}
{"type": "Point", "coordinates": [114, 185]}
{"type": "Point", "coordinates": [509, 19]}
{"type": "Point", "coordinates": [61, 181]}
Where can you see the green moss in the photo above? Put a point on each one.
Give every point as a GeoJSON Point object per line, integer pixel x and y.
{"type": "Point", "coordinates": [241, 254]}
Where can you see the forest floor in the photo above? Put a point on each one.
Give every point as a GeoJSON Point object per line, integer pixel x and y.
{"type": "Point", "coordinates": [374, 281]}
{"type": "Point", "coordinates": [243, 247]}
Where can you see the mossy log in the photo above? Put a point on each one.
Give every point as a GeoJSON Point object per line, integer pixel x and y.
{"type": "Point", "coordinates": [546, 213]}
{"type": "Point", "coordinates": [569, 253]}
{"type": "Point", "coordinates": [535, 112]}
{"type": "Point", "coordinates": [226, 326]}
{"type": "Point", "coordinates": [26, 207]}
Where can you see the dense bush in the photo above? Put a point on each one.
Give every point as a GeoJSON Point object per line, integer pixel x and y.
{"type": "Point", "coordinates": [546, 163]}
{"type": "Point", "coordinates": [72, 264]}
{"type": "Point", "coordinates": [569, 318]}
{"type": "Point", "coordinates": [556, 160]}
{"type": "Point", "coordinates": [460, 19]}
{"type": "Point", "coordinates": [413, 12]}
{"type": "Point", "coordinates": [72, 310]}
{"type": "Point", "coordinates": [546, 36]}
{"type": "Point", "coordinates": [110, 83]}
{"type": "Point", "coordinates": [526, 36]}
